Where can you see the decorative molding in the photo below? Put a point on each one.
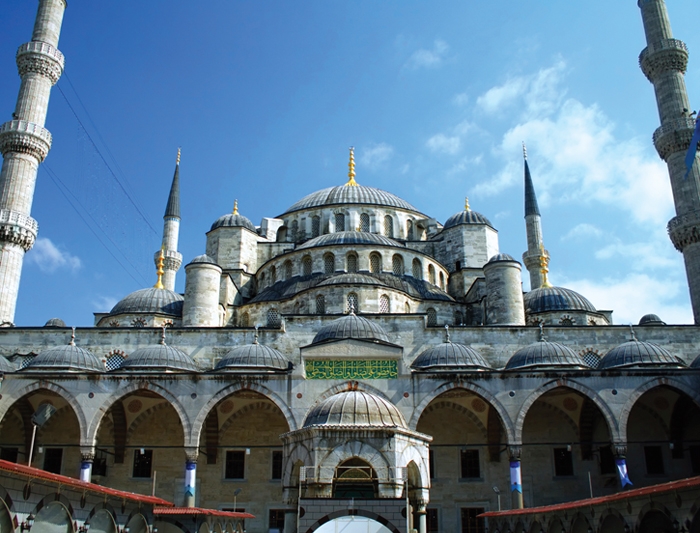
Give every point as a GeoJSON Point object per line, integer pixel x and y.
{"type": "Point", "coordinates": [662, 56]}
{"type": "Point", "coordinates": [41, 58]}
{"type": "Point", "coordinates": [684, 230]}
{"type": "Point", "coordinates": [673, 136]}
{"type": "Point", "coordinates": [18, 229]}
{"type": "Point", "coordinates": [25, 138]}
{"type": "Point", "coordinates": [351, 369]}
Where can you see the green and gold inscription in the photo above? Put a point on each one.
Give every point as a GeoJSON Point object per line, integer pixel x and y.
{"type": "Point", "coordinates": [351, 369]}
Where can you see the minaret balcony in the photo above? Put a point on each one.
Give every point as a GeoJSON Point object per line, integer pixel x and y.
{"type": "Point", "coordinates": [673, 136]}
{"type": "Point", "coordinates": [25, 137]}
{"type": "Point", "coordinates": [662, 56]}
{"type": "Point", "coordinates": [18, 229]}
{"type": "Point", "coordinates": [684, 230]}
{"type": "Point", "coordinates": [41, 58]}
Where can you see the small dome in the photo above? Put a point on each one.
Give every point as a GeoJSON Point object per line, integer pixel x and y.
{"type": "Point", "coordinates": [638, 353]}
{"type": "Point", "coordinates": [161, 301]}
{"type": "Point", "coordinates": [204, 258]}
{"type": "Point", "coordinates": [343, 194]}
{"type": "Point", "coordinates": [253, 357]}
{"type": "Point", "coordinates": [232, 220]}
{"type": "Point", "coordinates": [355, 408]}
{"type": "Point", "coordinates": [466, 217]}
{"type": "Point", "coordinates": [348, 238]}
{"type": "Point", "coordinates": [351, 327]}
{"type": "Point", "coordinates": [55, 323]}
{"type": "Point", "coordinates": [70, 358]}
{"type": "Point", "coordinates": [5, 365]}
{"type": "Point", "coordinates": [501, 257]}
{"type": "Point", "coordinates": [556, 299]}
{"type": "Point", "coordinates": [545, 354]}
{"type": "Point", "coordinates": [159, 357]}
{"type": "Point", "coordinates": [651, 320]}
{"type": "Point", "coordinates": [449, 355]}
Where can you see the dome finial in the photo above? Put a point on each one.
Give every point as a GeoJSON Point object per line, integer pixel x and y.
{"type": "Point", "coordinates": [544, 264]}
{"type": "Point", "coordinates": [447, 333]}
{"type": "Point", "coordinates": [352, 307]}
{"type": "Point", "coordinates": [177, 162]}
{"type": "Point", "coordinates": [162, 333]}
{"type": "Point", "coordinates": [351, 169]}
{"type": "Point", "coordinates": [72, 337]}
{"type": "Point", "coordinates": [524, 151]}
{"type": "Point", "coordinates": [632, 335]}
{"type": "Point", "coordinates": [235, 207]}
{"type": "Point", "coordinates": [160, 271]}
{"type": "Point", "coordinates": [541, 326]}
{"type": "Point", "coordinates": [255, 341]}
{"type": "Point", "coordinates": [466, 203]}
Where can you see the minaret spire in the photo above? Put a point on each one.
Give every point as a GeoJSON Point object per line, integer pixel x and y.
{"type": "Point", "coordinates": [535, 254]}
{"type": "Point", "coordinates": [664, 62]}
{"type": "Point", "coordinates": [168, 259]}
{"type": "Point", "coordinates": [24, 144]}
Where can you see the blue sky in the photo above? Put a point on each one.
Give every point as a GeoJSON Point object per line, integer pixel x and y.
{"type": "Point", "coordinates": [266, 97]}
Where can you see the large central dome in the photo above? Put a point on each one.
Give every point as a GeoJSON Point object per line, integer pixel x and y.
{"type": "Point", "coordinates": [344, 194]}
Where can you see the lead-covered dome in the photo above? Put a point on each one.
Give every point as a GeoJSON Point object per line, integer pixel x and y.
{"type": "Point", "coordinates": [450, 356]}
{"type": "Point", "coordinates": [253, 357]}
{"type": "Point", "coordinates": [545, 354]}
{"type": "Point", "coordinates": [638, 353]}
{"type": "Point", "coordinates": [466, 217]}
{"type": "Point", "coordinates": [152, 300]}
{"type": "Point", "coordinates": [651, 320]}
{"type": "Point", "coordinates": [346, 194]}
{"type": "Point", "coordinates": [355, 408]}
{"type": "Point", "coordinates": [69, 358]}
{"type": "Point", "coordinates": [233, 220]}
{"type": "Point", "coordinates": [351, 327]}
{"type": "Point", "coordinates": [556, 299]}
{"type": "Point", "coordinates": [160, 358]}
{"type": "Point", "coordinates": [348, 238]}
{"type": "Point", "coordinates": [5, 365]}
{"type": "Point", "coordinates": [55, 323]}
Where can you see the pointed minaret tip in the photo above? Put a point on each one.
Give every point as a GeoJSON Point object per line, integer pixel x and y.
{"type": "Point", "coordinates": [351, 169]}
{"type": "Point", "coordinates": [524, 151]}
{"type": "Point", "coordinates": [531, 207]}
{"type": "Point", "coordinates": [177, 162]}
{"type": "Point", "coordinates": [172, 209]}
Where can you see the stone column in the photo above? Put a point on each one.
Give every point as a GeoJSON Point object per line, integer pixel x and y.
{"type": "Point", "coordinates": [422, 513]}
{"type": "Point", "coordinates": [516, 478]}
{"type": "Point", "coordinates": [190, 477]}
{"type": "Point", "coordinates": [24, 143]}
{"type": "Point", "coordinates": [87, 458]}
{"type": "Point", "coordinates": [290, 520]}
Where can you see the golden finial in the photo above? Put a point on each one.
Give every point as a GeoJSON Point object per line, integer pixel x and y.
{"type": "Point", "coordinates": [524, 151]}
{"type": "Point", "coordinates": [178, 157]}
{"type": "Point", "coordinates": [466, 203]}
{"type": "Point", "coordinates": [160, 271]}
{"type": "Point", "coordinates": [235, 207]}
{"type": "Point", "coordinates": [351, 169]}
{"type": "Point", "coordinates": [544, 264]}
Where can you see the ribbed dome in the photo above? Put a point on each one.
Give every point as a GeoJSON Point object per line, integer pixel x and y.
{"type": "Point", "coordinates": [159, 357]}
{"type": "Point", "coordinates": [545, 354]}
{"type": "Point", "coordinates": [204, 258]}
{"type": "Point", "coordinates": [556, 299]}
{"type": "Point", "coordinates": [253, 357]}
{"type": "Point", "coordinates": [501, 257]}
{"type": "Point", "coordinates": [651, 320]}
{"type": "Point", "coordinates": [347, 238]}
{"type": "Point", "coordinates": [55, 323]}
{"type": "Point", "coordinates": [231, 220]}
{"type": "Point", "coordinates": [466, 217]}
{"type": "Point", "coordinates": [5, 365]}
{"type": "Point", "coordinates": [638, 353]}
{"type": "Point", "coordinates": [449, 355]}
{"type": "Point", "coordinates": [351, 327]}
{"type": "Point", "coordinates": [162, 301]}
{"type": "Point", "coordinates": [351, 279]}
{"type": "Point", "coordinates": [355, 408]}
{"type": "Point", "coordinates": [344, 194]}
{"type": "Point", "coordinates": [70, 358]}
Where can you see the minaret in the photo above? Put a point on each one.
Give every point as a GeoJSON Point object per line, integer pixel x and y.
{"type": "Point", "coordinates": [663, 62]}
{"type": "Point", "coordinates": [533, 225]}
{"type": "Point", "coordinates": [171, 232]}
{"type": "Point", "coordinates": [24, 143]}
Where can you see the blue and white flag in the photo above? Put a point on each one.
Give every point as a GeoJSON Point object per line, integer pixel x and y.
{"type": "Point", "coordinates": [516, 483]}
{"type": "Point", "coordinates": [621, 465]}
{"type": "Point", "coordinates": [692, 149]}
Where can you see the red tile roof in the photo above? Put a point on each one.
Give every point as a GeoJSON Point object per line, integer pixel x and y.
{"type": "Point", "coordinates": [196, 511]}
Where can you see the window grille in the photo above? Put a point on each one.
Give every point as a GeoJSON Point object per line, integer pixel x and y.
{"type": "Point", "coordinates": [388, 226]}
{"type": "Point", "coordinates": [114, 361]}
{"type": "Point", "coordinates": [432, 317]}
{"type": "Point", "coordinates": [273, 318]}
{"type": "Point", "coordinates": [320, 304]}
{"type": "Point", "coordinates": [409, 230]}
{"type": "Point", "coordinates": [375, 263]}
{"type": "Point", "coordinates": [431, 274]}
{"type": "Point", "coordinates": [339, 222]}
{"type": "Point", "coordinates": [417, 269]}
{"type": "Point", "coordinates": [352, 263]}
{"type": "Point", "coordinates": [353, 303]}
{"type": "Point", "coordinates": [383, 303]}
{"type": "Point", "coordinates": [364, 222]}
{"type": "Point", "coordinates": [329, 263]}
{"type": "Point", "coordinates": [287, 270]}
{"type": "Point", "coordinates": [397, 265]}
{"type": "Point", "coordinates": [315, 226]}
{"type": "Point", "coordinates": [306, 265]}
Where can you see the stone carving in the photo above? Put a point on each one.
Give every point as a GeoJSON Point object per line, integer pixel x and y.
{"type": "Point", "coordinates": [40, 58]}
{"type": "Point", "coordinates": [351, 369]}
{"type": "Point", "coordinates": [662, 56]}
{"type": "Point", "coordinates": [673, 136]}
{"type": "Point", "coordinates": [684, 230]}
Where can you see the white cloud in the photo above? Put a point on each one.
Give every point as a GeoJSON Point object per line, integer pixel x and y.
{"type": "Point", "coordinates": [104, 303]}
{"type": "Point", "coordinates": [581, 231]}
{"type": "Point", "coordinates": [645, 255]}
{"type": "Point", "coordinates": [461, 99]}
{"type": "Point", "coordinates": [432, 58]}
{"type": "Point", "coordinates": [443, 144]}
{"type": "Point", "coordinates": [376, 155]}
{"type": "Point", "coordinates": [49, 257]}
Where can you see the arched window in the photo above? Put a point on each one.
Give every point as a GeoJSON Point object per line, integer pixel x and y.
{"type": "Point", "coordinates": [244, 321]}
{"type": "Point", "coordinates": [417, 269]}
{"type": "Point", "coordinates": [459, 319]}
{"type": "Point", "coordinates": [320, 304]}
{"type": "Point", "coordinates": [375, 263]}
{"type": "Point", "coordinates": [431, 274]}
{"type": "Point", "coordinates": [329, 263]}
{"type": "Point", "coordinates": [287, 270]}
{"type": "Point", "coordinates": [442, 281]}
{"type": "Point", "coordinates": [355, 478]}
{"type": "Point", "coordinates": [353, 303]}
{"type": "Point", "coordinates": [339, 222]}
{"type": "Point", "coordinates": [364, 222]}
{"type": "Point", "coordinates": [431, 315]}
{"type": "Point", "coordinates": [262, 280]}
{"type": "Point", "coordinates": [407, 308]}
{"type": "Point", "coordinates": [273, 318]}
{"type": "Point", "coordinates": [388, 226]}
{"type": "Point", "coordinates": [592, 359]}
{"type": "Point", "coordinates": [384, 304]}
{"type": "Point", "coordinates": [315, 226]}
{"type": "Point", "coordinates": [273, 275]}
{"type": "Point", "coordinates": [295, 230]}
{"type": "Point", "coordinates": [114, 361]}
{"type": "Point", "coordinates": [397, 265]}
{"type": "Point", "coordinates": [352, 262]}
{"type": "Point", "coordinates": [409, 230]}
{"type": "Point", "coordinates": [306, 265]}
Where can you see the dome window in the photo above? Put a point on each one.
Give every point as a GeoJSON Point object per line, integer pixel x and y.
{"type": "Point", "coordinates": [431, 274]}
{"type": "Point", "coordinates": [273, 275]}
{"type": "Point", "coordinates": [375, 263]}
{"type": "Point", "coordinates": [397, 265]}
{"type": "Point", "coordinates": [352, 262]}
{"type": "Point", "coordinates": [329, 263]}
{"type": "Point", "coordinates": [315, 226]}
{"type": "Point", "coordinates": [409, 230]}
{"type": "Point", "coordinates": [431, 316]}
{"type": "Point", "coordinates": [353, 303]}
{"type": "Point", "coordinates": [389, 227]}
{"type": "Point", "coordinates": [320, 304]}
{"type": "Point", "coordinates": [417, 269]}
{"type": "Point", "coordinates": [295, 230]}
{"type": "Point", "coordinates": [306, 265]}
{"type": "Point", "coordinates": [287, 270]}
{"type": "Point", "coordinates": [244, 321]}
{"type": "Point", "coordinates": [339, 222]}
{"type": "Point", "coordinates": [364, 222]}
{"type": "Point", "coordinates": [384, 304]}
{"type": "Point", "coordinates": [273, 319]}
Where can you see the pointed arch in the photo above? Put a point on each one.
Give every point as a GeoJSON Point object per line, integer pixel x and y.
{"type": "Point", "coordinates": [349, 449]}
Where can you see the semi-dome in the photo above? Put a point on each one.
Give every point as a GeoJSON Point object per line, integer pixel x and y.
{"type": "Point", "coordinates": [467, 217]}
{"type": "Point", "coordinates": [501, 257]}
{"type": "Point", "coordinates": [448, 356]}
{"type": "Point", "coordinates": [638, 353]}
{"type": "Point", "coordinates": [651, 320]}
{"type": "Point", "coordinates": [55, 323]}
{"type": "Point", "coordinates": [344, 194]}
{"type": "Point", "coordinates": [5, 365]}
{"type": "Point", "coordinates": [351, 327]}
{"type": "Point", "coordinates": [152, 300]}
{"type": "Point", "coordinates": [556, 299]}
{"type": "Point", "coordinates": [348, 238]}
{"type": "Point", "coordinates": [253, 357]}
{"type": "Point", "coordinates": [355, 408]}
{"type": "Point", "coordinates": [233, 220]}
{"type": "Point", "coordinates": [68, 358]}
{"type": "Point", "coordinates": [545, 354]}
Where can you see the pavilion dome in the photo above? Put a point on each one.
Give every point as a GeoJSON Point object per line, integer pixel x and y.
{"type": "Point", "coordinates": [68, 358]}
{"type": "Point", "coordinates": [355, 409]}
{"type": "Point", "coordinates": [344, 194]}
{"type": "Point", "coordinates": [253, 357]}
{"type": "Point", "coordinates": [5, 365]}
{"type": "Point", "coordinates": [545, 354]}
{"type": "Point", "coordinates": [55, 323]}
{"type": "Point", "coordinates": [448, 356]}
{"type": "Point", "coordinates": [467, 217]}
{"type": "Point", "coordinates": [351, 327]}
{"type": "Point", "coordinates": [635, 353]}
{"type": "Point", "coordinates": [233, 220]}
{"type": "Point", "coordinates": [151, 300]}
{"type": "Point", "coordinates": [160, 358]}
{"type": "Point", "coordinates": [546, 299]}
{"type": "Point", "coordinates": [348, 238]}
{"type": "Point", "coordinates": [651, 320]}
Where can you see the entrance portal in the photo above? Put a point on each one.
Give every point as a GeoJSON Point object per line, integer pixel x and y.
{"type": "Point", "coordinates": [353, 524]}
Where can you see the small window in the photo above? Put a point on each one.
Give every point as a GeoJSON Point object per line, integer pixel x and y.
{"type": "Point", "coordinates": [273, 319]}
{"type": "Point", "coordinates": [384, 304]}
{"type": "Point", "coordinates": [287, 270]}
{"type": "Point", "coordinates": [235, 464]}
{"type": "Point", "coordinates": [353, 303]}
{"type": "Point", "coordinates": [469, 464]}
{"type": "Point", "coordinates": [694, 458]}
{"type": "Point", "coordinates": [409, 230]}
{"type": "Point", "coordinates": [397, 265]}
{"type": "Point", "coordinates": [654, 460]}
{"type": "Point", "coordinates": [9, 454]}
{"type": "Point", "coordinates": [315, 226]}
{"type": "Point", "coordinates": [459, 318]}
{"type": "Point", "coordinates": [417, 269]}
{"type": "Point", "coordinates": [592, 359]}
{"type": "Point", "coordinates": [431, 274]}
{"type": "Point", "coordinates": [306, 265]}
{"type": "Point", "coordinates": [431, 464]}
{"type": "Point", "coordinates": [442, 281]}
{"type": "Point", "coordinates": [389, 226]}
{"type": "Point", "coordinates": [114, 361]}
{"type": "Point", "coordinates": [295, 230]}
{"type": "Point", "coordinates": [276, 464]}
{"type": "Point", "coordinates": [563, 462]}
{"type": "Point", "coordinates": [142, 463]}
{"type": "Point", "coordinates": [470, 522]}
{"type": "Point", "coordinates": [352, 262]}
{"type": "Point", "coordinates": [53, 457]}
{"type": "Point", "coordinates": [273, 274]}
{"type": "Point", "coordinates": [432, 520]}
{"type": "Point", "coordinates": [329, 263]}
{"type": "Point", "coordinates": [364, 222]}
{"type": "Point", "coordinates": [431, 316]}
{"type": "Point", "coordinates": [375, 263]}
{"type": "Point", "coordinates": [339, 222]}
{"type": "Point", "coordinates": [607, 460]}
{"type": "Point", "coordinates": [276, 519]}
{"type": "Point", "coordinates": [320, 304]}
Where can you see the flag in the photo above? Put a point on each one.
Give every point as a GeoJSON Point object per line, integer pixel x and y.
{"type": "Point", "coordinates": [692, 149]}
{"type": "Point", "coordinates": [621, 465]}
{"type": "Point", "coordinates": [516, 484]}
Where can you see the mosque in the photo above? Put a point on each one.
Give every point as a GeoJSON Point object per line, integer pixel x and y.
{"type": "Point", "coordinates": [353, 356]}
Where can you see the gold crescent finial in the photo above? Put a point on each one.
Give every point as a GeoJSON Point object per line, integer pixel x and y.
{"type": "Point", "coordinates": [178, 157]}
{"type": "Point", "coordinates": [466, 203]}
{"type": "Point", "coordinates": [351, 169]}
{"type": "Point", "coordinates": [160, 271]}
{"type": "Point", "coordinates": [544, 264]}
{"type": "Point", "coordinates": [235, 207]}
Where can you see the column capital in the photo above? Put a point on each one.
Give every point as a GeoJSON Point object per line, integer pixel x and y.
{"type": "Point", "coordinates": [620, 449]}
{"type": "Point", "coordinates": [191, 455]}
{"type": "Point", "coordinates": [515, 452]}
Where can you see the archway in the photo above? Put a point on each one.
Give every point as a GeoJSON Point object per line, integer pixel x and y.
{"type": "Point", "coordinates": [353, 524]}
{"type": "Point", "coordinates": [612, 524]}
{"type": "Point", "coordinates": [137, 524]}
{"type": "Point", "coordinates": [102, 522]}
{"type": "Point", "coordinates": [355, 478]}
{"type": "Point", "coordinates": [53, 518]}
{"type": "Point", "coordinates": [6, 523]}
{"type": "Point", "coordinates": [655, 521]}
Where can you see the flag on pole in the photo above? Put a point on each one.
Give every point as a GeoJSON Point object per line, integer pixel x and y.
{"type": "Point", "coordinates": [693, 148]}
{"type": "Point", "coordinates": [621, 465]}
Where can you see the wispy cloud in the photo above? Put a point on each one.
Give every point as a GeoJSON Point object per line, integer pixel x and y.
{"type": "Point", "coordinates": [49, 257]}
{"type": "Point", "coordinates": [428, 58]}
{"type": "Point", "coordinates": [104, 303]}
{"type": "Point", "coordinates": [376, 155]}
{"type": "Point", "coordinates": [582, 231]}
{"type": "Point", "coordinates": [443, 144]}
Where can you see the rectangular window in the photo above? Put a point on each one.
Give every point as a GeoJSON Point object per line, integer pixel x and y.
{"type": "Point", "coordinates": [276, 520]}
{"type": "Point", "coordinates": [276, 465]}
{"type": "Point", "coordinates": [563, 462]}
{"type": "Point", "coordinates": [142, 463]}
{"type": "Point", "coordinates": [470, 522]}
{"type": "Point", "coordinates": [432, 520]}
{"type": "Point", "coordinates": [431, 464]}
{"type": "Point", "coordinates": [695, 458]}
{"type": "Point", "coordinates": [9, 454]}
{"type": "Point", "coordinates": [235, 464]}
{"type": "Point", "coordinates": [469, 462]}
{"type": "Point", "coordinates": [53, 457]}
{"type": "Point", "coordinates": [654, 459]}
{"type": "Point", "coordinates": [607, 460]}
